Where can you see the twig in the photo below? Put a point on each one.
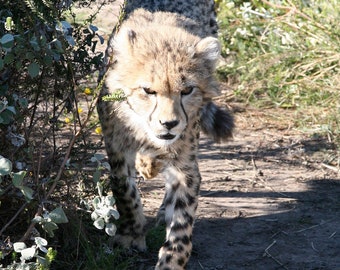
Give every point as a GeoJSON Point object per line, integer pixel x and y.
{"type": "Point", "coordinates": [35, 104]}
{"type": "Point", "coordinates": [333, 168]}
{"type": "Point", "coordinates": [293, 9]}
{"type": "Point", "coordinates": [309, 228]}
{"type": "Point", "coordinates": [314, 247]}
{"type": "Point", "coordinates": [312, 227]}
{"type": "Point", "coordinates": [62, 166]}
{"type": "Point", "coordinates": [260, 177]}
{"type": "Point", "coordinates": [332, 235]}
{"type": "Point", "coordinates": [266, 253]}
{"type": "Point", "coordinates": [78, 237]}
{"type": "Point", "coordinates": [200, 265]}
{"type": "Point", "coordinates": [277, 6]}
{"type": "Point", "coordinates": [13, 218]}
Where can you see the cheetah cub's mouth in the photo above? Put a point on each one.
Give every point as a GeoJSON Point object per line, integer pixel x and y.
{"type": "Point", "coordinates": [167, 136]}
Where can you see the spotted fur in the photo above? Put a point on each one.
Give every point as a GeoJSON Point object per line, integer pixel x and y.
{"type": "Point", "coordinates": [163, 58]}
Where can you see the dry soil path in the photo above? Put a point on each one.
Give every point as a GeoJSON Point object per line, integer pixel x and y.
{"type": "Point", "coordinates": [268, 200]}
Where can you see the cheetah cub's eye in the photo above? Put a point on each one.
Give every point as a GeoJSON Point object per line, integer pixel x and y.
{"type": "Point", "coordinates": [187, 91]}
{"type": "Point", "coordinates": [148, 91]}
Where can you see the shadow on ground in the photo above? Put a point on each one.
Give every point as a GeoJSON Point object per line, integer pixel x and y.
{"type": "Point", "coordinates": [266, 202]}
{"type": "Point", "coordinates": [302, 235]}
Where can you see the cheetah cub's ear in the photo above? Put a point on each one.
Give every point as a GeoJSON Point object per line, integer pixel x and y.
{"type": "Point", "coordinates": [209, 49]}
{"type": "Point", "coordinates": [125, 39]}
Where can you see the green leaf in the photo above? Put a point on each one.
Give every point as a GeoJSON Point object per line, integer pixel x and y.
{"type": "Point", "coordinates": [5, 166]}
{"type": "Point", "coordinates": [18, 65]}
{"type": "Point", "coordinates": [94, 216]}
{"type": "Point", "coordinates": [117, 95]}
{"type": "Point", "coordinates": [42, 261]}
{"type": "Point", "coordinates": [2, 64]}
{"type": "Point", "coordinates": [38, 219]}
{"type": "Point", "coordinates": [58, 46]}
{"type": "Point", "coordinates": [33, 69]}
{"type": "Point", "coordinates": [43, 40]}
{"type": "Point", "coordinates": [96, 176]}
{"type": "Point", "coordinates": [41, 243]}
{"type": "Point", "coordinates": [17, 178]}
{"type": "Point", "coordinates": [96, 201]}
{"type": "Point", "coordinates": [70, 40]}
{"type": "Point", "coordinates": [29, 55]}
{"type": "Point", "coordinates": [114, 213]}
{"type": "Point", "coordinates": [66, 27]}
{"type": "Point", "coordinates": [28, 253]}
{"type": "Point", "coordinates": [49, 227]}
{"type": "Point", "coordinates": [106, 165]}
{"type": "Point", "coordinates": [58, 216]}
{"type": "Point", "coordinates": [28, 192]}
{"type": "Point", "coordinates": [12, 109]}
{"type": "Point", "coordinates": [6, 117]}
{"type": "Point", "coordinates": [99, 157]}
{"type": "Point", "coordinates": [18, 246]}
{"type": "Point", "coordinates": [104, 211]}
{"type": "Point", "coordinates": [7, 38]}
{"type": "Point", "coordinates": [109, 200]}
{"type": "Point", "coordinates": [23, 102]}
{"type": "Point", "coordinates": [99, 223]}
{"type": "Point", "coordinates": [48, 60]}
{"type": "Point", "coordinates": [110, 229]}
{"type": "Point", "coordinates": [93, 28]}
{"type": "Point", "coordinates": [34, 43]}
{"type": "Point", "coordinates": [9, 58]}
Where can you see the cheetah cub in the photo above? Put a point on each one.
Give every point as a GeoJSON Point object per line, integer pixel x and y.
{"type": "Point", "coordinates": [163, 58]}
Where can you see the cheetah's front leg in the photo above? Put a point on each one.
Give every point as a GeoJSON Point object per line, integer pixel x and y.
{"type": "Point", "coordinates": [149, 165]}
{"type": "Point", "coordinates": [130, 229]}
{"type": "Point", "coordinates": [180, 206]}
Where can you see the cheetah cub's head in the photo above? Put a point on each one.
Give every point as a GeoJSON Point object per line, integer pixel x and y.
{"type": "Point", "coordinates": [167, 76]}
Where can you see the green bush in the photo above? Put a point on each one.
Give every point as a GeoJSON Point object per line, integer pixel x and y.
{"type": "Point", "coordinates": [47, 62]}
{"type": "Point", "coordinates": [42, 56]}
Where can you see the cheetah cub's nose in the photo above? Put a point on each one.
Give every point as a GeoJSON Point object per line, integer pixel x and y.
{"type": "Point", "coordinates": [169, 124]}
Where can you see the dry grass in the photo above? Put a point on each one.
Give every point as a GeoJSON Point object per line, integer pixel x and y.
{"type": "Point", "coordinates": [285, 56]}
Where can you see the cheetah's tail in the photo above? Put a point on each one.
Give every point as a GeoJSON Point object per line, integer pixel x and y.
{"type": "Point", "coordinates": [216, 122]}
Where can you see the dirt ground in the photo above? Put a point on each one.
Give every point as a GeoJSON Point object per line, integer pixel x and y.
{"type": "Point", "coordinates": [270, 198]}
